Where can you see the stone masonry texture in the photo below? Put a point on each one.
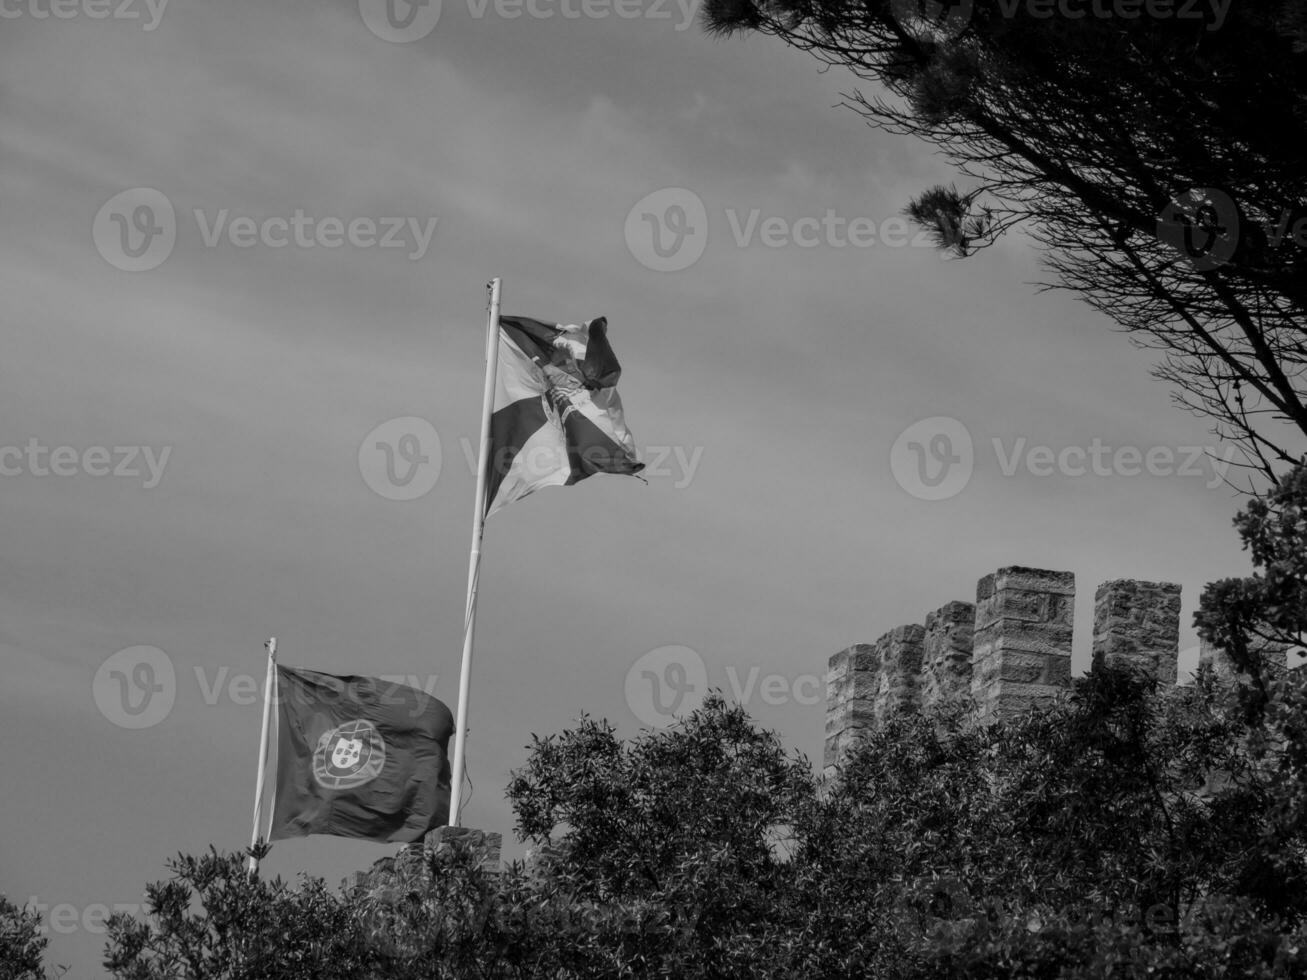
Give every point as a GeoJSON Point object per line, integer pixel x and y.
{"type": "Point", "coordinates": [946, 655]}
{"type": "Point", "coordinates": [1137, 624]}
{"type": "Point", "coordinates": [900, 671]}
{"type": "Point", "coordinates": [852, 683]}
{"type": "Point", "coordinates": [1005, 654]}
{"type": "Point", "coordinates": [1021, 653]}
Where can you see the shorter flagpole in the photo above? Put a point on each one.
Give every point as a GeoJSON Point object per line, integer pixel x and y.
{"type": "Point", "coordinates": [263, 748]}
{"type": "Point", "coordinates": [474, 560]}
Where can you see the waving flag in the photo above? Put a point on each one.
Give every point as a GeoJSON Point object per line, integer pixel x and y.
{"type": "Point", "coordinates": [359, 757]}
{"type": "Point", "coordinates": [557, 416]}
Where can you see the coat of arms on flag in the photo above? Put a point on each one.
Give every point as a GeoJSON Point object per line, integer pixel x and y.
{"type": "Point", "coordinates": [359, 757]}
{"type": "Point", "coordinates": [557, 416]}
{"type": "Point", "coordinates": [349, 755]}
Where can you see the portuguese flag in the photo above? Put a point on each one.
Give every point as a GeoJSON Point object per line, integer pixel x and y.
{"type": "Point", "coordinates": [359, 757]}
{"type": "Point", "coordinates": [557, 416]}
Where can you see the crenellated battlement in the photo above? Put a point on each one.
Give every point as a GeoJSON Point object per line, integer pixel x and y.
{"type": "Point", "coordinates": [1006, 653]}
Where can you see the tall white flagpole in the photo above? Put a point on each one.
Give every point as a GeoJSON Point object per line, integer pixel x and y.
{"type": "Point", "coordinates": [263, 747]}
{"type": "Point", "coordinates": [474, 560]}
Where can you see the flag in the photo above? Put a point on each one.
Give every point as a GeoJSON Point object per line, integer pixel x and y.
{"type": "Point", "coordinates": [557, 417]}
{"type": "Point", "coordinates": [359, 757]}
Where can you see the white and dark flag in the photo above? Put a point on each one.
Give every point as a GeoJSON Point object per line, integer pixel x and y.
{"type": "Point", "coordinates": [557, 416]}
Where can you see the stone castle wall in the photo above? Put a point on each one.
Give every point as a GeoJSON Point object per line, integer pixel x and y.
{"type": "Point", "coordinates": [1002, 655]}
{"type": "Point", "coordinates": [1008, 652]}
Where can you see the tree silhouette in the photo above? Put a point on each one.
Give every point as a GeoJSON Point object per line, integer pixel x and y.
{"type": "Point", "coordinates": [1157, 161]}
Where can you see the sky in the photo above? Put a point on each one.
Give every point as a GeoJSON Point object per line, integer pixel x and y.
{"type": "Point", "coordinates": [246, 243]}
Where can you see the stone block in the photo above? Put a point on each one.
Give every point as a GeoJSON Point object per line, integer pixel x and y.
{"type": "Point", "coordinates": [1021, 644]}
{"type": "Point", "coordinates": [900, 653]}
{"type": "Point", "coordinates": [1137, 625]}
{"type": "Point", "coordinates": [946, 655]}
{"type": "Point", "coordinates": [852, 687]}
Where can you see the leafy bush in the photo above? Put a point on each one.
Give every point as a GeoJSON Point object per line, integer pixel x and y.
{"type": "Point", "coordinates": [1090, 840]}
{"type": "Point", "coordinates": [1128, 832]}
{"type": "Point", "coordinates": [22, 944]}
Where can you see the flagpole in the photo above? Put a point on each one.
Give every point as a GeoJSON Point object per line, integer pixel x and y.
{"type": "Point", "coordinates": [263, 748]}
{"type": "Point", "coordinates": [474, 559]}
